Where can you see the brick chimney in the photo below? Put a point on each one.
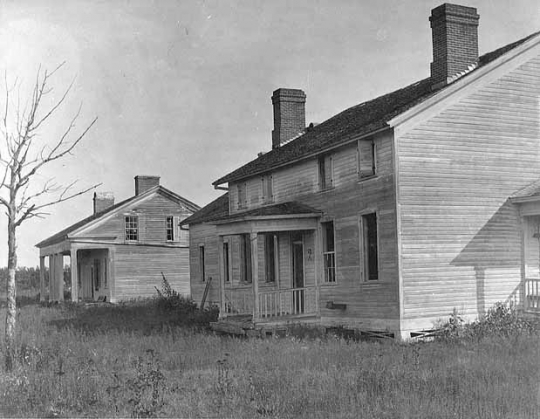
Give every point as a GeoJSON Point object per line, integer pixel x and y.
{"type": "Point", "coordinates": [289, 115]}
{"type": "Point", "coordinates": [102, 201]}
{"type": "Point", "coordinates": [143, 183]}
{"type": "Point", "coordinates": [454, 31]}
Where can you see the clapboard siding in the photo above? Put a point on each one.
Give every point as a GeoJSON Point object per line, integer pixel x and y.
{"type": "Point", "coordinates": [152, 214]}
{"type": "Point", "coordinates": [204, 235]}
{"type": "Point", "coordinates": [138, 270]}
{"type": "Point", "coordinates": [344, 204]}
{"type": "Point", "coordinates": [460, 236]}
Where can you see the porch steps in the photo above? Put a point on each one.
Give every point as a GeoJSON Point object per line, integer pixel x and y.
{"type": "Point", "coordinates": [234, 325]}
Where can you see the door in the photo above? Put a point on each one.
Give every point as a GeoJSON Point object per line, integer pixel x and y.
{"type": "Point", "coordinates": [298, 274]}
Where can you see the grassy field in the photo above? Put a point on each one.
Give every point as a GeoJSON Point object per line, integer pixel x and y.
{"type": "Point", "coordinates": [135, 360]}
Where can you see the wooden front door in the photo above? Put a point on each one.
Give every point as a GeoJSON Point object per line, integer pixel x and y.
{"type": "Point", "coordinates": [298, 274]}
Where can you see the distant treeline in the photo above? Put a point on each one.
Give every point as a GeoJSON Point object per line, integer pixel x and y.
{"type": "Point", "coordinates": [28, 278]}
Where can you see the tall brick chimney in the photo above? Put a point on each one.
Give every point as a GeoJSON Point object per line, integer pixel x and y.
{"type": "Point", "coordinates": [289, 115]}
{"type": "Point", "coordinates": [143, 183]}
{"type": "Point", "coordinates": [454, 31]}
{"type": "Point", "coordinates": [102, 201]}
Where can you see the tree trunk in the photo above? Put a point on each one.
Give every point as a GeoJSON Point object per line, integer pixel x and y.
{"type": "Point", "coordinates": [11, 315]}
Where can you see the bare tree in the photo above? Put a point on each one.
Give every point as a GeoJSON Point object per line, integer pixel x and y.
{"type": "Point", "coordinates": [23, 153]}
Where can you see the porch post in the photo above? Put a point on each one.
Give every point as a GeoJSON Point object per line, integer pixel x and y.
{"type": "Point", "coordinates": [221, 267]}
{"type": "Point", "coordinates": [60, 275]}
{"type": "Point", "coordinates": [75, 276]}
{"type": "Point", "coordinates": [52, 278]}
{"type": "Point", "coordinates": [255, 273]}
{"type": "Point", "coordinates": [42, 278]}
{"type": "Point", "coordinates": [319, 264]}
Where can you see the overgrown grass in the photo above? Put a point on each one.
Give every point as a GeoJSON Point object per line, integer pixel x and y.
{"type": "Point", "coordinates": [138, 360]}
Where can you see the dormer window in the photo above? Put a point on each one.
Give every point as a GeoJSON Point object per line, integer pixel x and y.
{"type": "Point", "coordinates": [367, 160]}
{"type": "Point", "coordinates": [326, 169]}
{"type": "Point", "coordinates": [267, 182]}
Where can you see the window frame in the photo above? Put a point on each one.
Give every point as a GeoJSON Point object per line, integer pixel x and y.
{"type": "Point", "coordinates": [270, 248]}
{"type": "Point", "coordinates": [267, 184]}
{"type": "Point", "coordinates": [364, 237]}
{"type": "Point", "coordinates": [373, 151]}
{"type": "Point", "coordinates": [131, 224]}
{"type": "Point", "coordinates": [246, 274]}
{"type": "Point", "coordinates": [329, 256]}
{"type": "Point", "coordinates": [241, 190]}
{"type": "Point", "coordinates": [169, 229]}
{"type": "Point", "coordinates": [326, 174]}
{"type": "Point", "coordinates": [202, 263]}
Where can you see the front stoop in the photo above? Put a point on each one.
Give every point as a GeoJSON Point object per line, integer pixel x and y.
{"type": "Point", "coordinates": [244, 326]}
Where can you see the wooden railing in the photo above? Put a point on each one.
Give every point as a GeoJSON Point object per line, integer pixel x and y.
{"type": "Point", "coordinates": [532, 294]}
{"type": "Point", "coordinates": [238, 301]}
{"type": "Point", "coordinates": [287, 302]}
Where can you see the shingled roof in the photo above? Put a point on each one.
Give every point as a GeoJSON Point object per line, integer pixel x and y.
{"type": "Point", "coordinates": [359, 120]}
{"type": "Point", "coordinates": [215, 210]}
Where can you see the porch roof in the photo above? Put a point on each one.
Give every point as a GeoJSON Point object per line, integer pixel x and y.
{"type": "Point", "coordinates": [529, 193]}
{"type": "Point", "coordinates": [285, 209]}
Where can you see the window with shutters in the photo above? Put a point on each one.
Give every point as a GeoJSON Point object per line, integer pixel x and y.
{"type": "Point", "coordinates": [367, 160]}
{"type": "Point", "coordinates": [326, 175]}
{"type": "Point", "coordinates": [242, 195]}
{"type": "Point", "coordinates": [267, 189]}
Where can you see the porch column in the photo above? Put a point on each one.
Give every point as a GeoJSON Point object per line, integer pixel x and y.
{"type": "Point", "coordinates": [221, 269]}
{"type": "Point", "coordinates": [255, 273]}
{"type": "Point", "coordinates": [75, 276]}
{"type": "Point", "coordinates": [56, 277]}
{"type": "Point", "coordinates": [319, 264]}
{"type": "Point", "coordinates": [52, 278]}
{"type": "Point", "coordinates": [42, 278]}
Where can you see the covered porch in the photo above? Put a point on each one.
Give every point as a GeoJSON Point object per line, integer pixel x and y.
{"type": "Point", "coordinates": [90, 268]}
{"type": "Point", "coordinates": [268, 266]}
{"type": "Point", "coordinates": [529, 209]}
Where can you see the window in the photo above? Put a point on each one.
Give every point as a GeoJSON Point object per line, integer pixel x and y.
{"type": "Point", "coordinates": [326, 179]}
{"type": "Point", "coordinates": [202, 268]}
{"type": "Point", "coordinates": [267, 188]}
{"type": "Point", "coordinates": [226, 263]}
{"type": "Point", "coordinates": [329, 252]}
{"type": "Point", "coordinates": [270, 245]}
{"type": "Point", "coordinates": [371, 264]}
{"type": "Point", "coordinates": [170, 229]}
{"type": "Point", "coordinates": [132, 228]}
{"type": "Point", "coordinates": [245, 258]}
{"type": "Point", "coordinates": [242, 195]}
{"type": "Point", "coordinates": [366, 158]}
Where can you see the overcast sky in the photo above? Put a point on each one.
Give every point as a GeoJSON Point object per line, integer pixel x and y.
{"type": "Point", "coordinates": [182, 88]}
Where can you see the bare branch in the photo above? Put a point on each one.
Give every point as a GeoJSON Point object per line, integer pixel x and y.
{"type": "Point", "coordinates": [33, 210]}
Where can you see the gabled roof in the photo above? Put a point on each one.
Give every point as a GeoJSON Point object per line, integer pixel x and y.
{"type": "Point", "coordinates": [64, 234]}
{"type": "Point", "coordinates": [357, 121]}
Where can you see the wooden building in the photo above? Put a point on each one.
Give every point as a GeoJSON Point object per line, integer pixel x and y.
{"type": "Point", "coordinates": [121, 250]}
{"type": "Point", "coordinates": [393, 213]}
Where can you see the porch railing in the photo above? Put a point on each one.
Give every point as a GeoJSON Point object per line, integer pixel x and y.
{"type": "Point", "coordinates": [287, 302]}
{"type": "Point", "coordinates": [238, 301]}
{"type": "Point", "coordinates": [532, 294]}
